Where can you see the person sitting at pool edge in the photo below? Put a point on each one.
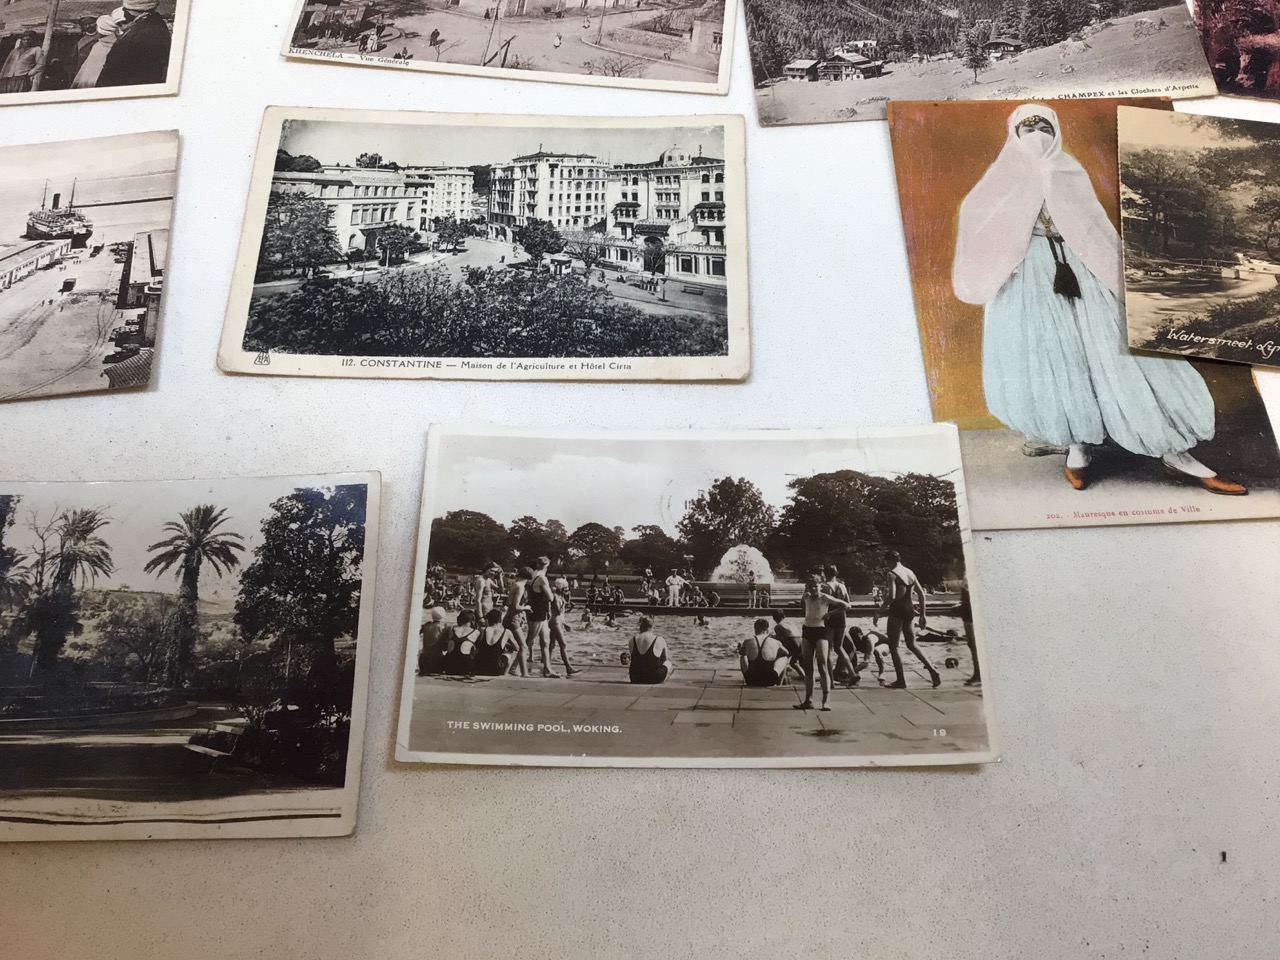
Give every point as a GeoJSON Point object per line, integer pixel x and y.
{"type": "Point", "coordinates": [763, 658]}
{"type": "Point", "coordinates": [460, 650]}
{"type": "Point", "coordinates": [649, 660]}
{"type": "Point", "coordinates": [496, 649]}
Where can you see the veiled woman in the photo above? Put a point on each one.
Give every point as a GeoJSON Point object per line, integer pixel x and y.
{"type": "Point", "coordinates": [1037, 251]}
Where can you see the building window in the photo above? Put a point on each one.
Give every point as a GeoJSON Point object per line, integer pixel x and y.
{"type": "Point", "coordinates": [719, 196]}
{"type": "Point", "coordinates": [706, 195]}
{"type": "Point", "coordinates": [717, 40]}
{"type": "Point", "coordinates": [720, 239]}
{"type": "Point", "coordinates": [706, 178]}
{"type": "Point", "coordinates": [717, 267]}
{"type": "Point", "coordinates": [719, 178]}
{"type": "Point", "coordinates": [688, 265]}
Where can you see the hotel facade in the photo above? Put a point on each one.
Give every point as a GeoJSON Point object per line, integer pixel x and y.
{"type": "Point", "coordinates": [364, 201]}
{"type": "Point", "coordinates": [565, 189]}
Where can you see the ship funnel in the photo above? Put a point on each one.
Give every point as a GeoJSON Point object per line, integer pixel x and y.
{"type": "Point", "coordinates": [57, 199]}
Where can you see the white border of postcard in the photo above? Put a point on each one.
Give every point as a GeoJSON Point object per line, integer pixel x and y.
{"type": "Point", "coordinates": [177, 51]}
{"type": "Point", "coordinates": [76, 818]}
{"type": "Point", "coordinates": [735, 365]}
{"type": "Point", "coordinates": [719, 86]}
{"type": "Point", "coordinates": [945, 433]}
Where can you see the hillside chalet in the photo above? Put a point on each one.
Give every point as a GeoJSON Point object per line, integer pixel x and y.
{"type": "Point", "coordinates": [1002, 47]}
{"type": "Point", "coordinates": [846, 66]}
{"type": "Point", "coordinates": [801, 70]}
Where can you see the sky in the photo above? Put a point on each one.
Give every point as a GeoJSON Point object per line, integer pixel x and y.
{"type": "Point", "coordinates": [1164, 129]}
{"type": "Point", "coordinates": [138, 512]}
{"type": "Point", "coordinates": [99, 159]}
{"type": "Point", "coordinates": [628, 482]}
{"type": "Point", "coordinates": [466, 144]}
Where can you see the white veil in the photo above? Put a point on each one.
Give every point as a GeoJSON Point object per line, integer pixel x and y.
{"type": "Point", "coordinates": [999, 214]}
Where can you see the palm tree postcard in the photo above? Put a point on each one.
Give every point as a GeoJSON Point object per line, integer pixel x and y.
{"type": "Point", "coordinates": [487, 247]}
{"type": "Point", "coordinates": [184, 659]}
{"type": "Point", "coordinates": [695, 599]}
{"type": "Point", "coordinates": [56, 51]}
{"type": "Point", "coordinates": [1012, 212]}
{"type": "Point", "coordinates": [84, 249]}
{"type": "Point", "coordinates": [675, 45]}
{"type": "Point", "coordinates": [822, 61]}
{"type": "Point", "coordinates": [1200, 207]}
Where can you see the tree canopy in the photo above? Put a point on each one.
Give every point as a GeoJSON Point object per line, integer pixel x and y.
{"type": "Point", "coordinates": [466, 540]}
{"type": "Point", "coordinates": [303, 586]}
{"type": "Point", "coordinates": [730, 512]}
{"type": "Point", "coordinates": [539, 238]}
{"type": "Point", "coordinates": [298, 234]}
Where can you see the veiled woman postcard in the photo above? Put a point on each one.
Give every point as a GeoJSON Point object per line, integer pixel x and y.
{"type": "Point", "coordinates": [695, 599]}
{"type": "Point", "coordinates": [184, 659]}
{"type": "Point", "coordinates": [471, 246]}
{"type": "Point", "coordinates": [59, 50]}
{"type": "Point", "coordinates": [1011, 212]}
{"type": "Point", "coordinates": [1200, 204]}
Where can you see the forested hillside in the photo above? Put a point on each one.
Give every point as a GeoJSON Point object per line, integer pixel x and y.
{"type": "Point", "coordinates": [784, 30]}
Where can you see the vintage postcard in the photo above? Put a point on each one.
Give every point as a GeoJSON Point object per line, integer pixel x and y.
{"type": "Point", "coordinates": [1200, 209]}
{"type": "Point", "coordinates": [641, 44]}
{"type": "Point", "coordinates": [84, 243]}
{"type": "Point", "coordinates": [1242, 41]}
{"type": "Point", "coordinates": [818, 62]}
{"type": "Point", "coordinates": [695, 599]}
{"type": "Point", "coordinates": [1012, 213]}
{"type": "Point", "coordinates": [53, 51]}
{"type": "Point", "coordinates": [469, 246]}
{"type": "Point", "coordinates": [184, 659]}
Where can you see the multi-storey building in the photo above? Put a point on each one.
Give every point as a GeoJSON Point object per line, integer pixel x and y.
{"type": "Point", "coordinates": [447, 192]}
{"type": "Point", "coordinates": [668, 216]}
{"type": "Point", "coordinates": [566, 189]}
{"type": "Point", "coordinates": [364, 201]}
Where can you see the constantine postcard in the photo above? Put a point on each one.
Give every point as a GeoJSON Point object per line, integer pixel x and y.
{"type": "Point", "coordinates": [54, 51]}
{"type": "Point", "coordinates": [820, 61]}
{"type": "Point", "coordinates": [1200, 207]}
{"type": "Point", "coordinates": [84, 248]}
{"type": "Point", "coordinates": [168, 668]}
{"type": "Point", "coordinates": [640, 44]}
{"type": "Point", "coordinates": [493, 247]}
{"type": "Point", "coordinates": [695, 599]}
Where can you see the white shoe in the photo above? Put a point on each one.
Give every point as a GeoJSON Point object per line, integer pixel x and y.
{"type": "Point", "coordinates": [1184, 462]}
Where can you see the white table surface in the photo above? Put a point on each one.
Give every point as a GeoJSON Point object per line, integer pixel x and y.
{"type": "Point", "coordinates": [1135, 670]}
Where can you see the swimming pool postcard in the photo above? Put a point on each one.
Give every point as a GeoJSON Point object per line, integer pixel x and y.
{"type": "Point", "coordinates": [484, 247]}
{"type": "Point", "coordinates": [184, 659]}
{"type": "Point", "coordinates": [54, 51]}
{"type": "Point", "coordinates": [1200, 211]}
{"type": "Point", "coordinates": [695, 599]}
{"type": "Point", "coordinates": [1012, 214]}
{"type": "Point", "coordinates": [609, 43]}
{"type": "Point", "coordinates": [808, 68]}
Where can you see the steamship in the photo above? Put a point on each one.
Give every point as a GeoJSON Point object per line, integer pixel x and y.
{"type": "Point", "coordinates": [56, 222]}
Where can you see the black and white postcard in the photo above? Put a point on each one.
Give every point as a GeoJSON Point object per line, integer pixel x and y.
{"type": "Point", "coordinates": [53, 51]}
{"type": "Point", "coordinates": [688, 599]}
{"type": "Point", "coordinates": [1200, 209]}
{"type": "Point", "coordinates": [819, 62]}
{"type": "Point", "coordinates": [641, 44]}
{"type": "Point", "coordinates": [84, 243]}
{"type": "Point", "coordinates": [184, 659]}
{"type": "Point", "coordinates": [402, 245]}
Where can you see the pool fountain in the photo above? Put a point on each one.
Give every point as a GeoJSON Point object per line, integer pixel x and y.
{"type": "Point", "coordinates": [740, 563]}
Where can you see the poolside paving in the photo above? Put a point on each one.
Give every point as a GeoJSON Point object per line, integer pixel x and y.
{"type": "Point", "coordinates": [701, 714]}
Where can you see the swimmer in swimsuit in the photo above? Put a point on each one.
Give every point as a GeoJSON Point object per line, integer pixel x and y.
{"type": "Point", "coordinates": [763, 658]}
{"type": "Point", "coordinates": [836, 622]}
{"type": "Point", "coordinates": [813, 639]}
{"type": "Point", "coordinates": [649, 662]}
{"type": "Point", "coordinates": [902, 587]}
{"type": "Point", "coordinates": [514, 619]}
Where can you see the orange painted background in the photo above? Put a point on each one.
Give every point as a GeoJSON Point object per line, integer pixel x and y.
{"type": "Point", "coordinates": [940, 150]}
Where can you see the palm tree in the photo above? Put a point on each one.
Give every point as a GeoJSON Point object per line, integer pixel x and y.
{"type": "Point", "coordinates": [194, 539]}
{"type": "Point", "coordinates": [80, 554]}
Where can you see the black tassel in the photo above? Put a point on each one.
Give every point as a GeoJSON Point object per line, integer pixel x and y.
{"type": "Point", "coordinates": [1065, 282]}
